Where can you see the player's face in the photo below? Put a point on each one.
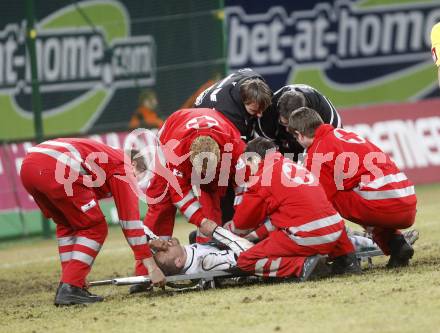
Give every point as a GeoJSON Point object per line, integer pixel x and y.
{"type": "Point", "coordinates": [169, 256]}
{"type": "Point", "coordinates": [254, 109]}
{"type": "Point", "coordinates": [303, 140]}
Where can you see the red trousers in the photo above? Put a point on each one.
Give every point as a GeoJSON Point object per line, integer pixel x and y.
{"type": "Point", "coordinates": [385, 223]}
{"type": "Point", "coordinates": [280, 256]}
{"type": "Point", "coordinates": [81, 226]}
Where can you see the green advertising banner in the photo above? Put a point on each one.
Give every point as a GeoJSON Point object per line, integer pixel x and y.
{"type": "Point", "coordinates": [106, 64]}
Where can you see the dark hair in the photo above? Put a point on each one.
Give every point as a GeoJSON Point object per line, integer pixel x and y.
{"type": "Point", "coordinates": [255, 90]}
{"type": "Point", "coordinates": [289, 102]}
{"type": "Point", "coordinates": [305, 121]}
{"type": "Point", "coordinates": [139, 159]}
{"type": "Point", "coordinates": [261, 146]}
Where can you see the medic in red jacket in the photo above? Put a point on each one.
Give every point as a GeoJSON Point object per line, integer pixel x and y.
{"type": "Point", "coordinates": [185, 134]}
{"type": "Point", "coordinates": [304, 223]}
{"type": "Point", "coordinates": [360, 180]}
{"type": "Point", "coordinates": [67, 177]}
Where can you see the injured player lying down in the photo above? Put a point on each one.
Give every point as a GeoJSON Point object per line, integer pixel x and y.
{"type": "Point", "coordinates": [199, 258]}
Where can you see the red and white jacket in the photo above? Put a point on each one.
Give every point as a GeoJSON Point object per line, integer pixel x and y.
{"type": "Point", "coordinates": [344, 161]}
{"type": "Point", "coordinates": [94, 161]}
{"type": "Point", "coordinates": [176, 136]}
{"type": "Point", "coordinates": [290, 196]}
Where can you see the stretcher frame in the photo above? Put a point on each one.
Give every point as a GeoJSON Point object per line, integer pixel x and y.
{"type": "Point", "coordinates": [206, 280]}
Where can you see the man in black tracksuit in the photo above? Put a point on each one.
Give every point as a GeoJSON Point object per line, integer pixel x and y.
{"type": "Point", "coordinates": [242, 97]}
{"type": "Point", "coordinates": [273, 124]}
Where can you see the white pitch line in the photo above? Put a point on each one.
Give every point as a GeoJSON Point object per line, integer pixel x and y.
{"type": "Point", "coordinates": [54, 258]}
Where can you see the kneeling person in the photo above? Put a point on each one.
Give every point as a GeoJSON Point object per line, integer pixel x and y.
{"type": "Point", "coordinates": [370, 191]}
{"type": "Point", "coordinates": [307, 226]}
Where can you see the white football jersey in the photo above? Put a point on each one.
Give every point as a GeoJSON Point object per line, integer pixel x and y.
{"type": "Point", "coordinates": [204, 258]}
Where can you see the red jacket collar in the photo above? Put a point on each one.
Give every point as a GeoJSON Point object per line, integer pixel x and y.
{"type": "Point", "coordinates": [320, 133]}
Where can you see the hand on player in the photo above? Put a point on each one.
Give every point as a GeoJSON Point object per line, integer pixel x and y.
{"type": "Point", "coordinates": [207, 227]}
{"type": "Point", "coordinates": [156, 276]}
{"type": "Point", "coordinates": [228, 226]}
{"type": "Point", "coordinates": [159, 245]}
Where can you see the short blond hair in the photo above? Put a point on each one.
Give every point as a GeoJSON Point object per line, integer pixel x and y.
{"type": "Point", "coordinates": [204, 145]}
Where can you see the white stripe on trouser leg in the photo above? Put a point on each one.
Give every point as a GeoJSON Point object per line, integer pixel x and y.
{"type": "Point", "coordinates": [65, 256]}
{"type": "Point", "coordinates": [317, 224]}
{"type": "Point", "coordinates": [134, 241]}
{"type": "Point", "coordinates": [259, 266]}
{"type": "Point", "coordinates": [309, 241]}
{"type": "Point", "coordinates": [65, 241]}
{"type": "Point", "coordinates": [191, 209]}
{"type": "Point", "coordinates": [274, 265]}
{"type": "Point", "coordinates": [389, 194]}
{"type": "Point", "coordinates": [87, 242]}
{"type": "Point", "coordinates": [83, 257]}
{"type": "Point", "coordinates": [131, 225]}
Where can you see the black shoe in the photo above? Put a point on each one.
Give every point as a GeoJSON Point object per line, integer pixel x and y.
{"type": "Point", "coordinates": [315, 267]}
{"type": "Point", "coordinates": [401, 252]}
{"type": "Point", "coordinates": [192, 237]}
{"type": "Point", "coordinates": [70, 295]}
{"type": "Point", "coordinates": [347, 264]}
{"type": "Point", "coordinates": [140, 288]}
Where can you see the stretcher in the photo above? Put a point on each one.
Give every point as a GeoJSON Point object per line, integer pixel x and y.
{"type": "Point", "coordinates": [210, 280]}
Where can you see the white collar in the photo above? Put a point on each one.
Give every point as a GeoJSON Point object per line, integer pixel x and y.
{"type": "Point", "coordinates": [189, 249]}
